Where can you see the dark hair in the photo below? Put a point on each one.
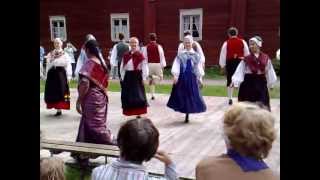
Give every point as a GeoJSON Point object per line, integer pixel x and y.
{"type": "Point", "coordinates": [233, 31]}
{"type": "Point", "coordinates": [152, 36]}
{"type": "Point", "coordinates": [92, 47]}
{"type": "Point", "coordinates": [121, 36]}
{"type": "Point", "coordinates": [186, 33]}
{"type": "Point", "coordinates": [138, 140]}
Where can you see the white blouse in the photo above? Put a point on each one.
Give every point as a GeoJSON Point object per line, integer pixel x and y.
{"type": "Point", "coordinates": [62, 61]}
{"type": "Point", "coordinates": [175, 70]}
{"type": "Point", "coordinates": [129, 67]}
{"type": "Point", "coordinates": [199, 50]}
{"type": "Point", "coordinates": [242, 69]}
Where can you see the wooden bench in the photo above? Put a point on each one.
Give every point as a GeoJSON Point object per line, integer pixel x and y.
{"type": "Point", "coordinates": [55, 147]}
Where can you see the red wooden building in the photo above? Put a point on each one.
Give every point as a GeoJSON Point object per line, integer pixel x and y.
{"type": "Point", "coordinates": [207, 19]}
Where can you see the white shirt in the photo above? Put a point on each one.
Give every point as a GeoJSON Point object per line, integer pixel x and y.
{"type": "Point", "coordinates": [161, 55]}
{"type": "Point", "coordinates": [223, 53]}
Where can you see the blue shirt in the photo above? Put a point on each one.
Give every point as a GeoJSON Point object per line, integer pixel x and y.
{"type": "Point", "coordinates": [41, 54]}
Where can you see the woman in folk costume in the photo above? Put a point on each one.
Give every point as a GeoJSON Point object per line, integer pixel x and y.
{"type": "Point", "coordinates": [187, 70]}
{"type": "Point", "coordinates": [59, 71]}
{"type": "Point", "coordinates": [92, 102]}
{"type": "Point", "coordinates": [134, 71]}
{"type": "Point", "coordinates": [254, 75]}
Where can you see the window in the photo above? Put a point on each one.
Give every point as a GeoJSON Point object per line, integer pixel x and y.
{"type": "Point", "coordinates": [191, 20]}
{"type": "Point", "coordinates": [120, 24]}
{"type": "Point", "coordinates": [58, 27]}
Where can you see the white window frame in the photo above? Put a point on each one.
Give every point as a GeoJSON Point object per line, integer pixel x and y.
{"type": "Point", "coordinates": [190, 12]}
{"type": "Point", "coordinates": [58, 18]}
{"type": "Point", "coordinates": [119, 16]}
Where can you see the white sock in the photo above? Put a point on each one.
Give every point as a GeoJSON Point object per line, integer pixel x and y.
{"type": "Point", "coordinates": [230, 92]}
{"type": "Point", "coordinates": [152, 89]}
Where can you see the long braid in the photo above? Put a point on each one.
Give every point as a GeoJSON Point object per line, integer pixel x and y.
{"type": "Point", "coordinates": [92, 46]}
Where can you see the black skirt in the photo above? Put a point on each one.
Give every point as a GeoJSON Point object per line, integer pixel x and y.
{"type": "Point", "coordinates": [133, 94]}
{"type": "Point", "coordinates": [254, 89]}
{"type": "Point", "coordinates": [57, 94]}
{"type": "Point", "coordinates": [231, 67]}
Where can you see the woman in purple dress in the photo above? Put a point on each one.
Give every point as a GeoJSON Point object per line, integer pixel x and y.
{"type": "Point", "coordinates": [93, 100]}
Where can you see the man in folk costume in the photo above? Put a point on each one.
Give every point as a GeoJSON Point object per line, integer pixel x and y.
{"type": "Point", "coordinates": [117, 53]}
{"type": "Point", "coordinates": [154, 55]}
{"type": "Point", "coordinates": [134, 71]}
{"type": "Point", "coordinates": [254, 75]}
{"type": "Point", "coordinates": [232, 52]}
{"type": "Point", "coordinates": [57, 94]}
{"type": "Point", "coordinates": [196, 47]}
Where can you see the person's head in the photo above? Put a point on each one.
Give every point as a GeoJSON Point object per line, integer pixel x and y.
{"type": "Point", "coordinates": [255, 43]}
{"type": "Point", "coordinates": [186, 33]}
{"type": "Point", "coordinates": [90, 37]}
{"type": "Point", "coordinates": [92, 48]}
{"type": "Point", "coordinates": [152, 36]}
{"type": "Point", "coordinates": [249, 129]}
{"type": "Point", "coordinates": [138, 140]}
{"type": "Point", "coordinates": [133, 42]}
{"type": "Point", "coordinates": [57, 43]}
{"type": "Point", "coordinates": [187, 42]}
{"type": "Point", "coordinates": [121, 36]}
{"type": "Point", "coordinates": [51, 168]}
{"type": "Point", "coordinates": [232, 31]}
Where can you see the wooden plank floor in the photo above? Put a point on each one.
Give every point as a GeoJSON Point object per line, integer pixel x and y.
{"type": "Point", "coordinates": [187, 144]}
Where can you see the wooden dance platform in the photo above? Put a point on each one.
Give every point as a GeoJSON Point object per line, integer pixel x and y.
{"type": "Point", "coordinates": [187, 144]}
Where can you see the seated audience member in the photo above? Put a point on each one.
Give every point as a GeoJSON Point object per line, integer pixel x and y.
{"type": "Point", "coordinates": [51, 168]}
{"type": "Point", "coordinates": [138, 140]}
{"type": "Point", "coordinates": [248, 132]}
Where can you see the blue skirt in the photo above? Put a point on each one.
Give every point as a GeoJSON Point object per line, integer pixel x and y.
{"type": "Point", "coordinates": [186, 96]}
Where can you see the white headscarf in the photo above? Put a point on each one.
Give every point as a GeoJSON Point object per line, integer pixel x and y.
{"type": "Point", "coordinates": [189, 37]}
{"type": "Point", "coordinates": [257, 40]}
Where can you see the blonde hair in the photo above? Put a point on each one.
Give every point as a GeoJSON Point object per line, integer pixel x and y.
{"type": "Point", "coordinates": [51, 169]}
{"type": "Point", "coordinates": [134, 39]}
{"type": "Point", "coordinates": [250, 129]}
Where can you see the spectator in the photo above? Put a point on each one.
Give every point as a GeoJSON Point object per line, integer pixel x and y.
{"type": "Point", "coordinates": [249, 133]}
{"type": "Point", "coordinates": [51, 168]}
{"type": "Point", "coordinates": [138, 140]}
{"type": "Point", "coordinates": [70, 50]}
{"type": "Point", "coordinates": [42, 53]}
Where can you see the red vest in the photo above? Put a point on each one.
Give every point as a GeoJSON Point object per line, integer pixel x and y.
{"type": "Point", "coordinates": [153, 53]}
{"type": "Point", "coordinates": [234, 48]}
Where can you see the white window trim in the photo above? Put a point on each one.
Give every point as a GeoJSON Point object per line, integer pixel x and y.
{"type": "Point", "coordinates": [116, 16]}
{"type": "Point", "coordinates": [184, 12]}
{"type": "Point", "coordinates": [58, 18]}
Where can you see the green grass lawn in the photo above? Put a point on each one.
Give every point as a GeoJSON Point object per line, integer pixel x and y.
{"type": "Point", "coordinates": [208, 90]}
{"type": "Point", "coordinates": [74, 174]}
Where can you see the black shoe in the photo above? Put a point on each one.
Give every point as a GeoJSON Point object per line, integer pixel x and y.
{"type": "Point", "coordinates": [230, 102]}
{"type": "Point", "coordinates": [152, 98]}
{"type": "Point", "coordinates": [186, 118]}
{"type": "Point", "coordinates": [59, 113]}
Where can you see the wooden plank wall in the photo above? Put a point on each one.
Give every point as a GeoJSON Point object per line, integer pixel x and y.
{"type": "Point", "coordinates": [86, 16]}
